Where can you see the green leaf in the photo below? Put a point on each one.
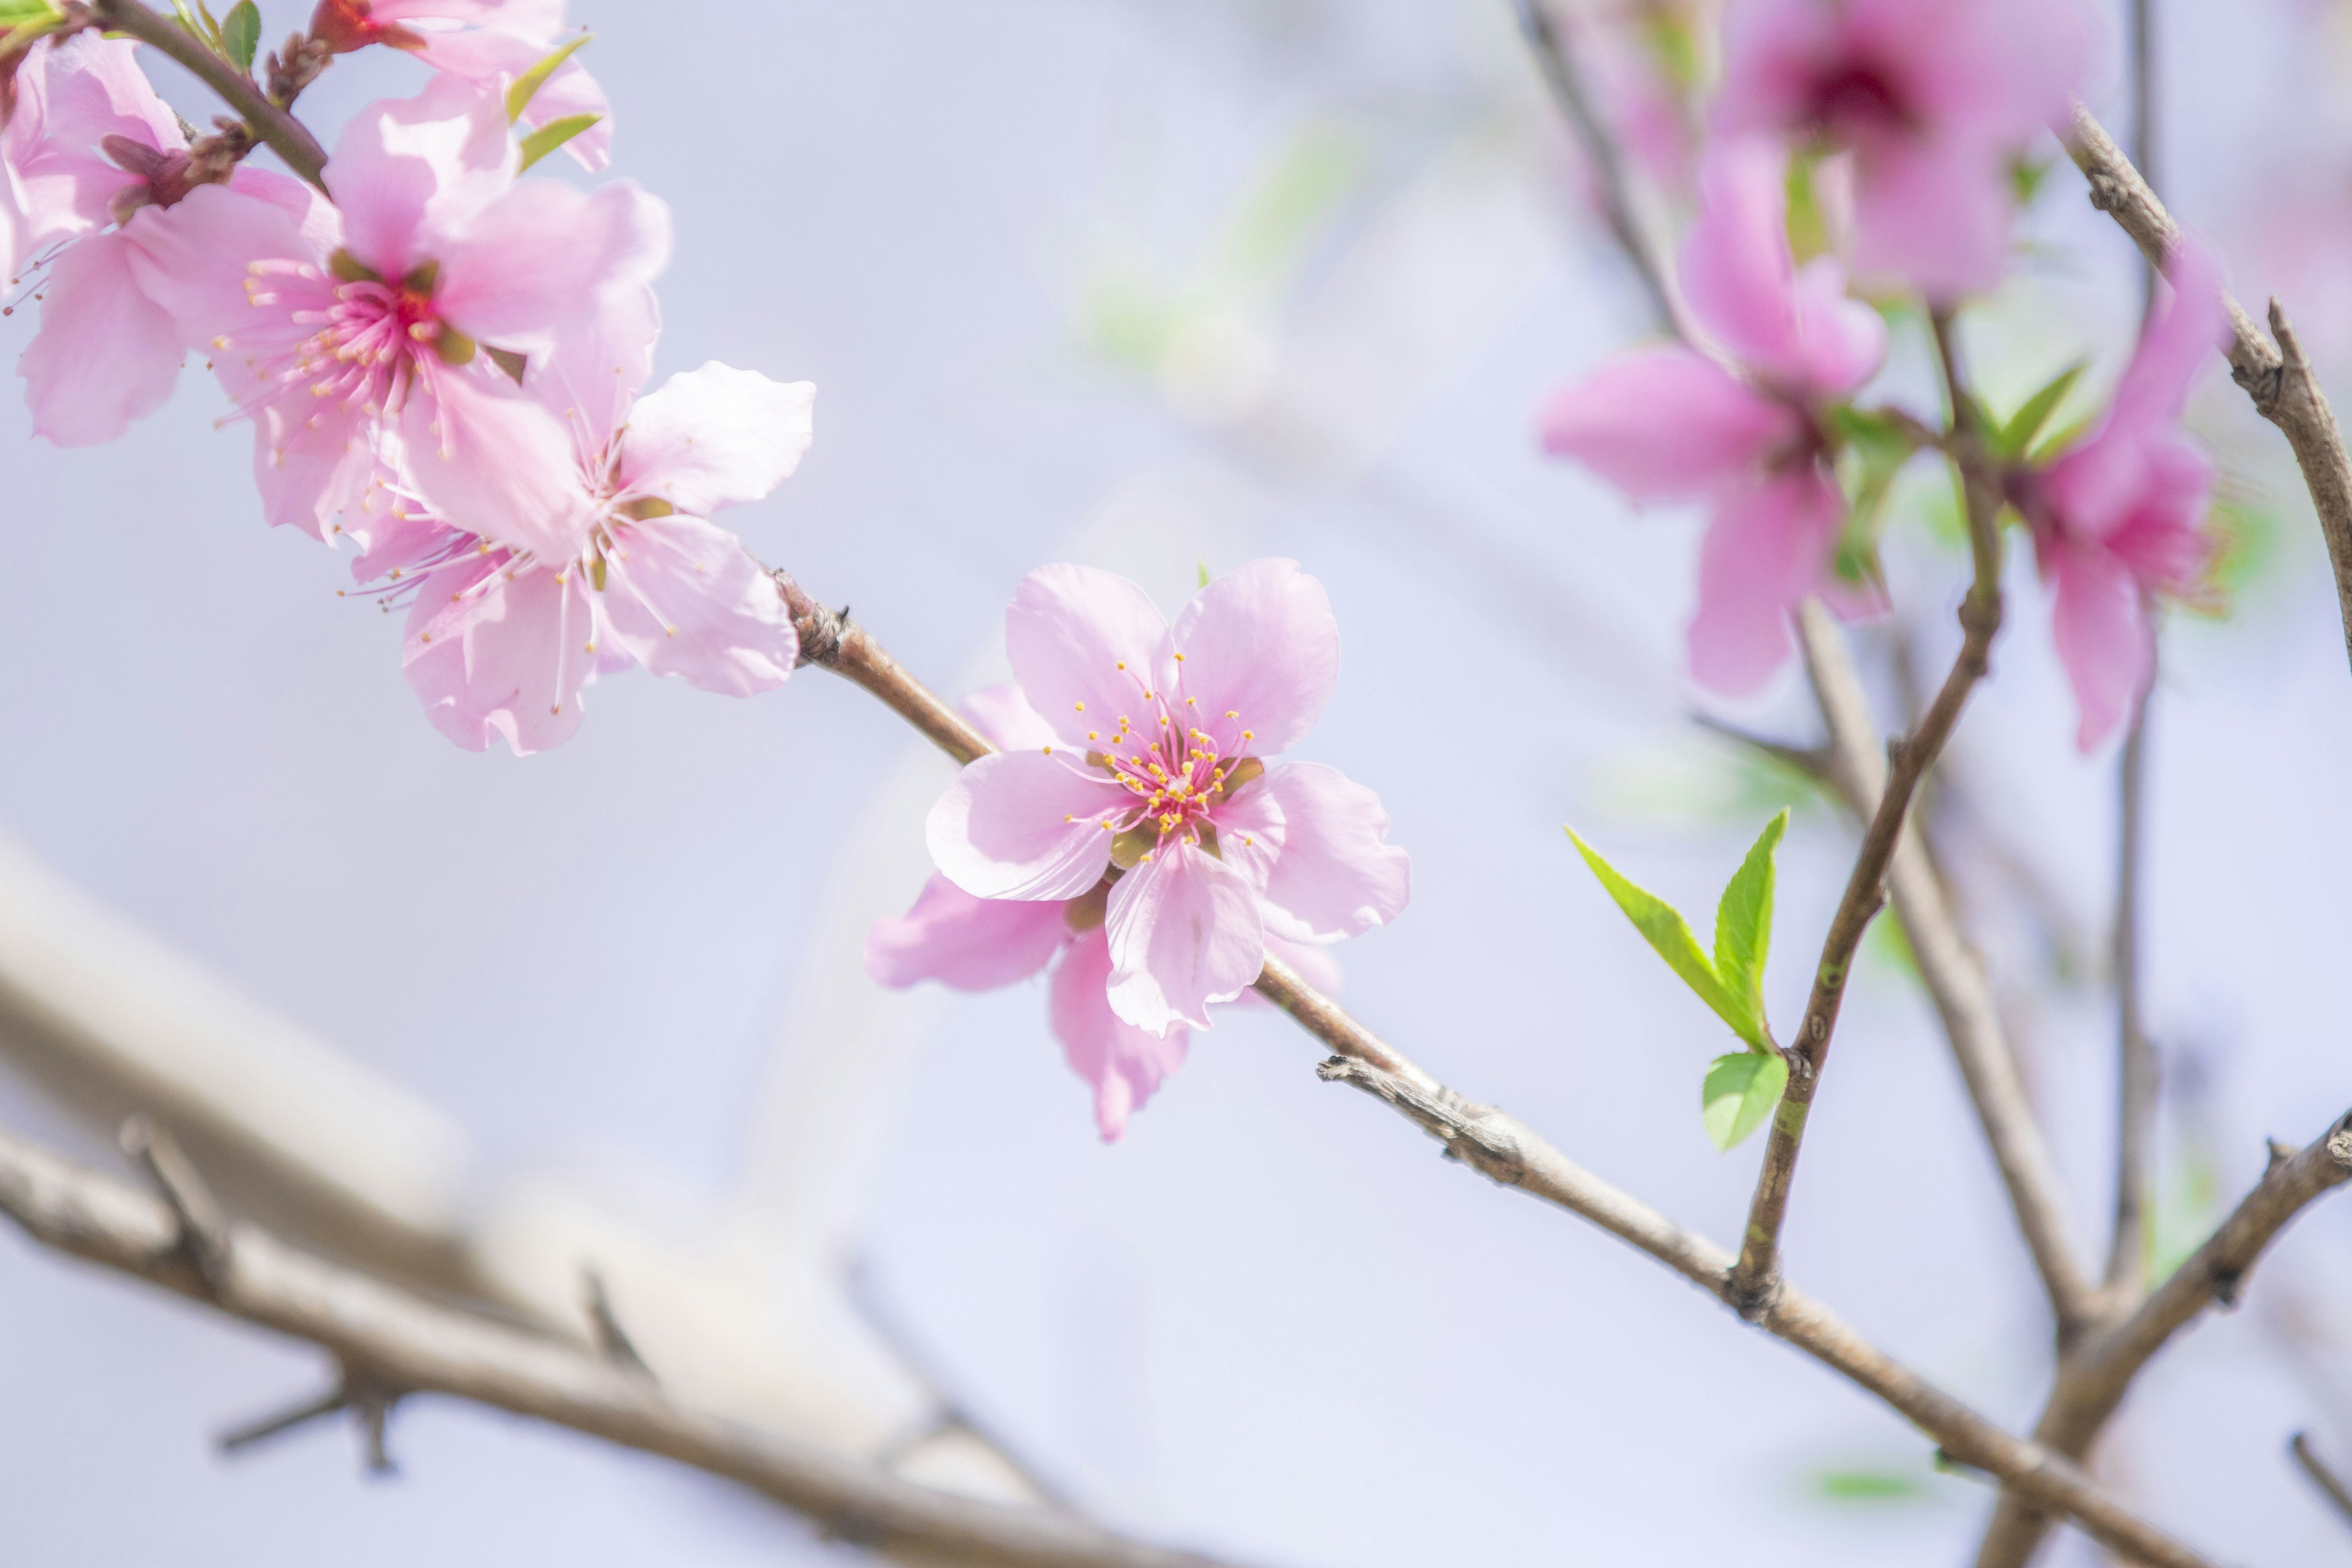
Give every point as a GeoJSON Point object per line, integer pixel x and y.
{"type": "Point", "coordinates": [1743, 923]}
{"type": "Point", "coordinates": [18, 13]}
{"type": "Point", "coordinates": [1870, 1486]}
{"type": "Point", "coordinates": [1205, 571]}
{"type": "Point", "coordinates": [2012, 440]}
{"type": "Point", "coordinates": [553, 134]}
{"type": "Point", "coordinates": [525, 88]}
{"type": "Point", "coordinates": [241, 33]}
{"type": "Point", "coordinates": [1738, 1092]}
{"type": "Point", "coordinates": [1669, 935]}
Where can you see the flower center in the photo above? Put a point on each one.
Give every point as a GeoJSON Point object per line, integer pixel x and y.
{"type": "Point", "coordinates": [367, 333]}
{"type": "Point", "coordinates": [1856, 100]}
{"type": "Point", "coordinates": [1180, 767]}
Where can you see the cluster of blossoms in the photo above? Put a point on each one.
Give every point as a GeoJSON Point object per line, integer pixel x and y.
{"type": "Point", "coordinates": [1904, 120]}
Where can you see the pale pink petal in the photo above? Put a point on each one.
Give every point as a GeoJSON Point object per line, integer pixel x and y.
{"type": "Point", "coordinates": [688, 599]}
{"type": "Point", "coordinates": [494, 648]}
{"type": "Point", "coordinates": [492, 55]}
{"type": "Point", "coordinates": [541, 18]}
{"type": "Point", "coordinates": [1082, 643]}
{"type": "Point", "coordinates": [493, 461]}
{"type": "Point", "coordinates": [1665, 423]}
{"type": "Point", "coordinates": [1312, 963]}
{"type": "Point", "coordinates": [1840, 341]}
{"type": "Point", "coordinates": [395, 541]}
{"type": "Point", "coordinates": [315, 217]}
{"type": "Point", "coordinates": [105, 354]}
{"type": "Point", "coordinates": [1933, 212]}
{"type": "Point", "coordinates": [1025, 825]}
{"type": "Point", "coordinates": [1125, 1064]}
{"type": "Point", "coordinates": [1773, 51]}
{"type": "Point", "coordinates": [310, 473]}
{"type": "Point", "coordinates": [716, 436]}
{"type": "Point", "coordinates": [2099, 622]}
{"type": "Point", "coordinates": [198, 267]}
{"type": "Point", "coordinates": [2190, 323]}
{"type": "Point", "coordinates": [539, 259]}
{"type": "Point", "coordinates": [968, 944]}
{"type": "Point", "coordinates": [1737, 270]}
{"type": "Point", "coordinates": [1184, 931]}
{"type": "Point", "coordinates": [597, 369]}
{"type": "Point", "coordinates": [1005, 716]}
{"type": "Point", "coordinates": [1766, 548]}
{"type": "Point", "coordinates": [409, 173]}
{"type": "Point", "coordinates": [1258, 644]}
{"type": "Point", "coordinates": [1314, 845]}
{"type": "Point", "coordinates": [2164, 540]}
{"type": "Point", "coordinates": [72, 95]}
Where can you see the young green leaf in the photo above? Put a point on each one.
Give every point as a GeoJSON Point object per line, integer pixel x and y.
{"type": "Point", "coordinates": [2012, 440]}
{"type": "Point", "coordinates": [1738, 1092]}
{"type": "Point", "coordinates": [1205, 571]}
{"type": "Point", "coordinates": [524, 88]}
{"type": "Point", "coordinates": [1743, 924]}
{"type": "Point", "coordinates": [1663, 928]}
{"type": "Point", "coordinates": [241, 33]}
{"type": "Point", "coordinates": [553, 134]}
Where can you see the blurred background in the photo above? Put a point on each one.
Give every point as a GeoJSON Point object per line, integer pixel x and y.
{"type": "Point", "coordinates": [1152, 284]}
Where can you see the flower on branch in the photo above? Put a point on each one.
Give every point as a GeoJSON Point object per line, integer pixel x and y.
{"type": "Point", "coordinates": [1156, 777]}
{"type": "Point", "coordinates": [1674, 423]}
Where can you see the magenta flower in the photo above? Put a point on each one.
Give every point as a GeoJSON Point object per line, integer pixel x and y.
{"type": "Point", "coordinates": [501, 639]}
{"type": "Point", "coordinates": [1157, 769]}
{"type": "Point", "coordinates": [485, 43]}
{"type": "Point", "coordinates": [1672, 423]}
{"type": "Point", "coordinates": [978, 944]}
{"type": "Point", "coordinates": [2120, 517]}
{"type": "Point", "coordinates": [103, 164]}
{"type": "Point", "coordinates": [381, 353]}
{"type": "Point", "coordinates": [1934, 98]}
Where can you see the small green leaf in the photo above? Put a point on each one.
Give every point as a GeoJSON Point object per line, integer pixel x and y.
{"type": "Point", "coordinates": [1870, 1486]}
{"type": "Point", "coordinates": [513, 364]}
{"type": "Point", "coordinates": [241, 33]}
{"type": "Point", "coordinates": [524, 88]}
{"type": "Point", "coordinates": [212, 32]}
{"type": "Point", "coordinates": [1743, 923]}
{"type": "Point", "coordinates": [18, 13]}
{"type": "Point", "coordinates": [553, 134]}
{"type": "Point", "coordinates": [2012, 440]}
{"type": "Point", "coordinates": [1669, 935]}
{"type": "Point", "coordinates": [1738, 1092]}
{"type": "Point", "coordinates": [1205, 571]}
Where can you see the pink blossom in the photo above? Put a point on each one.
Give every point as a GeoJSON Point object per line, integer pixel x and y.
{"type": "Point", "coordinates": [2120, 517]}
{"type": "Point", "coordinates": [978, 944]}
{"type": "Point", "coordinates": [1933, 99]}
{"type": "Point", "coordinates": [102, 166]}
{"type": "Point", "coordinates": [1156, 768]}
{"type": "Point", "coordinates": [381, 354]}
{"type": "Point", "coordinates": [1673, 422]}
{"type": "Point", "coordinates": [501, 639]}
{"type": "Point", "coordinates": [486, 43]}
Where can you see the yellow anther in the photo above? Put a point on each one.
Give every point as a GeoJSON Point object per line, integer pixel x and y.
{"type": "Point", "coordinates": [1179, 659]}
{"type": "Point", "coordinates": [1082, 707]}
{"type": "Point", "coordinates": [1189, 701]}
{"type": "Point", "coordinates": [1092, 735]}
{"type": "Point", "coordinates": [1122, 664]}
{"type": "Point", "coordinates": [1249, 735]}
{"type": "Point", "coordinates": [1048, 750]}
{"type": "Point", "coordinates": [1232, 713]}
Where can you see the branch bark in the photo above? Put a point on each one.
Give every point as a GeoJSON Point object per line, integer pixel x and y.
{"type": "Point", "coordinates": [1954, 980]}
{"type": "Point", "coordinates": [285, 135]}
{"type": "Point", "coordinates": [2092, 1381]}
{"type": "Point", "coordinates": [2135, 1065]}
{"type": "Point", "coordinates": [2275, 375]}
{"type": "Point", "coordinates": [402, 1342]}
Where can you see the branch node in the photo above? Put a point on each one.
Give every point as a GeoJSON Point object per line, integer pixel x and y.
{"type": "Point", "coordinates": [2280, 1154]}
{"type": "Point", "coordinates": [612, 1340]}
{"type": "Point", "coordinates": [203, 1236]}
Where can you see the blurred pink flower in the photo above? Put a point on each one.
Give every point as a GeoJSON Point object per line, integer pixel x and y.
{"type": "Point", "coordinates": [500, 641]}
{"type": "Point", "coordinates": [1933, 99]}
{"type": "Point", "coordinates": [487, 43]}
{"type": "Point", "coordinates": [381, 353]}
{"type": "Point", "coordinates": [978, 944]}
{"type": "Point", "coordinates": [101, 166]}
{"type": "Point", "coordinates": [1672, 423]}
{"type": "Point", "coordinates": [1155, 765]}
{"type": "Point", "coordinates": [2120, 517]}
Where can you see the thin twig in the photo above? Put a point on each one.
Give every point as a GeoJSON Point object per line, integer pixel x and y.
{"type": "Point", "coordinates": [2144, 111]}
{"type": "Point", "coordinates": [1556, 59]}
{"type": "Point", "coordinates": [830, 638]}
{"type": "Point", "coordinates": [393, 1342]}
{"type": "Point", "coordinates": [2330, 1484]}
{"type": "Point", "coordinates": [286, 136]}
{"type": "Point", "coordinates": [2276, 376]}
{"type": "Point", "coordinates": [203, 1228]}
{"type": "Point", "coordinates": [2092, 1382]}
{"type": "Point", "coordinates": [2136, 1066]}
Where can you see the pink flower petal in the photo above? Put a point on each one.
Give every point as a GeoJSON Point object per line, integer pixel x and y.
{"type": "Point", "coordinates": [970, 944]}
{"type": "Point", "coordinates": [72, 95]}
{"type": "Point", "coordinates": [1665, 423]}
{"type": "Point", "coordinates": [716, 436]}
{"type": "Point", "coordinates": [1083, 645]}
{"type": "Point", "coordinates": [688, 599]}
{"type": "Point", "coordinates": [105, 354]}
{"type": "Point", "coordinates": [1765, 551]}
{"type": "Point", "coordinates": [408, 172]}
{"type": "Point", "coordinates": [1737, 270]}
{"type": "Point", "coordinates": [490, 654]}
{"type": "Point", "coordinates": [198, 265]}
{"type": "Point", "coordinates": [1934, 214]}
{"type": "Point", "coordinates": [539, 259]}
{"type": "Point", "coordinates": [1123, 1063]}
{"type": "Point", "coordinates": [1184, 931]}
{"type": "Point", "coordinates": [492, 461]}
{"type": "Point", "coordinates": [2190, 323]}
{"type": "Point", "coordinates": [1024, 825]}
{"type": "Point", "coordinates": [1314, 845]}
{"type": "Point", "coordinates": [1005, 716]}
{"type": "Point", "coordinates": [310, 474]}
{"type": "Point", "coordinates": [488, 57]}
{"type": "Point", "coordinates": [2099, 622]}
{"type": "Point", "coordinates": [597, 370]}
{"type": "Point", "coordinates": [1260, 642]}
{"type": "Point", "coordinates": [1840, 341]}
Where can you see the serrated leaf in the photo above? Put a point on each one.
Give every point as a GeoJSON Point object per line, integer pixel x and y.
{"type": "Point", "coordinates": [524, 88]}
{"type": "Point", "coordinates": [241, 33]}
{"type": "Point", "coordinates": [1669, 936]}
{"type": "Point", "coordinates": [2012, 440]}
{"type": "Point", "coordinates": [551, 135]}
{"type": "Point", "coordinates": [1743, 924]}
{"type": "Point", "coordinates": [1738, 1092]}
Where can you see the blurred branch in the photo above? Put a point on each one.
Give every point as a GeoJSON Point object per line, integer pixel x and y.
{"type": "Point", "coordinates": [2135, 1068]}
{"type": "Point", "coordinates": [1954, 980]}
{"type": "Point", "coordinates": [2276, 376]}
{"type": "Point", "coordinates": [1556, 59]}
{"type": "Point", "coordinates": [2092, 1381]}
{"type": "Point", "coordinates": [2330, 1484]}
{"type": "Point", "coordinates": [391, 1340]}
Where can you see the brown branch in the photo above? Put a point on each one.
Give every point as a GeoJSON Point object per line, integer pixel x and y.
{"type": "Point", "coordinates": [1954, 980]}
{"type": "Point", "coordinates": [2136, 1066]}
{"type": "Point", "coordinates": [392, 1343]}
{"type": "Point", "coordinates": [2092, 1381]}
{"type": "Point", "coordinates": [286, 136]}
{"type": "Point", "coordinates": [2330, 1484]}
{"type": "Point", "coordinates": [830, 638]}
{"type": "Point", "coordinates": [2276, 376]}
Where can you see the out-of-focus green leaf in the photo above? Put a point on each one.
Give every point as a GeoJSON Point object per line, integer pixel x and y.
{"type": "Point", "coordinates": [1859, 1484]}
{"type": "Point", "coordinates": [553, 134]}
{"type": "Point", "coordinates": [2025, 177]}
{"type": "Point", "coordinates": [1669, 936]}
{"type": "Point", "coordinates": [1743, 920]}
{"type": "Point", "coordinates": [2011, 438]}
{"type": "Point", "coordinates": [241, 33]}
{"type": "Point", "coordinates": [17, 14]}
{"type": "Point", "coordinates": [1738, 1092]}
{"type": "Point", "coordinates": [1205, 571]}
{"type": "Point", "coordinates": [1809, 228]}
{"type": "Point", "coordinates": [524, 88]}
